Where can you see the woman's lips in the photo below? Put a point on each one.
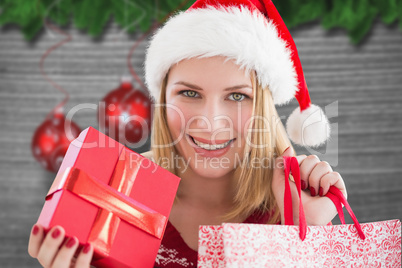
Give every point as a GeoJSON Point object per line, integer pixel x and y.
{"type": "Point", "coordinates": [209, 153]}
{"type": "Point", "coordinates": [214, 142]}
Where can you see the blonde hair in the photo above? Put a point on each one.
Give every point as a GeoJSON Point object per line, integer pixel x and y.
{"type": "Point", "coordinates": [254, 191]}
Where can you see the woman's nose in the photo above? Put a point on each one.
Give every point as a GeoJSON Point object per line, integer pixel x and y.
{"type": "Point", "coordinates": [213, 117]}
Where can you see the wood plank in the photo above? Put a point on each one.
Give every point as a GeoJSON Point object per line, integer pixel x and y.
{"type": "Point", "coordinates": [364, 80]}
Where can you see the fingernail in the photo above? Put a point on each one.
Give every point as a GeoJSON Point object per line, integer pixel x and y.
{"type": "Point", "coordinates": [56, 233]}
{"type": "Point", "coordinates": [35, 230]}
{"type": "Point", "coordinates": [71, 242]}
{"type": "Point", "coordinates": [86, 248]}
{"type": "Point", "coordinates": [321, 192]}
{"type": "Point", "coordinates": [303, 185]}
{"type": "Point", "coordinates": [312, 190]}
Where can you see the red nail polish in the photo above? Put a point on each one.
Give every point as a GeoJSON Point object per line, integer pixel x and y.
{"type": "Point", "coordinates": [86, 248]}
{"type": "Point", "coordinates": [70, 242]}
{"type": "Point", "coordinates": [312, 190]}
{"type": "Point", "coordinates": [321, 192]}
{"type": "Point", "coordinates": [35, 230]}
{"type": "Point", "coordinates": [56, 233]}
{"type": "Point", "coordinates": [303, 185]}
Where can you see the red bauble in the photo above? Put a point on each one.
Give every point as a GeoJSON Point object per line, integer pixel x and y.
{"type": "Point", "coordinates": [126, 114]}
{"type": "Point", "coordinates": [51, 140]}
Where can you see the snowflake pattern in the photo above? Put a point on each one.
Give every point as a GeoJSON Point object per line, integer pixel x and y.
{"type": "Point", "coordinates": [210, 247]}
{"type": "Point", "coordinates": [169, 256]}
{"type": "Point", "coordinates": [252, 245]}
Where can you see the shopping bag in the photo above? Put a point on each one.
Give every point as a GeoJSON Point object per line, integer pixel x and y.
{"type": "Point", "coordinates": [374, 244]}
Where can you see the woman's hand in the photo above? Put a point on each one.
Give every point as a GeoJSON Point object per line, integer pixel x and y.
{"type": "Point", "coordinates": [316, 178]}
{"type": "Point", "coordinates": [52, 251]}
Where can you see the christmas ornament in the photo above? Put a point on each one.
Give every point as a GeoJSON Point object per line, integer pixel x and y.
{"type": "Point", "coordinates": [51, 140]}
{"type": "Point", "coordinates": [127, 114]}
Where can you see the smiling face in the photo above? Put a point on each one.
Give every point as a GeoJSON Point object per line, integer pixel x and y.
{"type": "Point", "coordinates": [209, 106]}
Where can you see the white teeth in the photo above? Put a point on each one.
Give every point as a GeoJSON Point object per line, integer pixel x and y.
{"type": "Point", "coordinates": [211, 147]}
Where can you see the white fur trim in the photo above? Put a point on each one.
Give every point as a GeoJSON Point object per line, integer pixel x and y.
{"type": "Point", "coordinates": [237, 33]}
{"type": "Point", "coordinates": [308, 128]}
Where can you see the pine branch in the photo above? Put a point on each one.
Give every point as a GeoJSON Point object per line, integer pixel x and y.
{"type": "Point", "coordinates": [355, 16]}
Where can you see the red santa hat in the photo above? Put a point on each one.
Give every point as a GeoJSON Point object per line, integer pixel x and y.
{"type": "Point", "coordinates": [253, 34]}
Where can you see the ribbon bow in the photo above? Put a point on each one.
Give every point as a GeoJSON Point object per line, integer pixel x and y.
{"type": "Point", "coordinates": [113, 202]}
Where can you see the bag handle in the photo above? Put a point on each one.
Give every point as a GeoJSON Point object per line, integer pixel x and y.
{"type": "Point", "coordinates": [292, 165]}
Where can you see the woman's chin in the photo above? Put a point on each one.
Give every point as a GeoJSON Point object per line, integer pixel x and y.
{"type": "Point", "coordinates": [211, 168]}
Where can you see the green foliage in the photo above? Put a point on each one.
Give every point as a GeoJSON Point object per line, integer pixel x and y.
{"type": "Point", "coordinates": [57, 11]}
{"type": "Point", "coordinates": [89, 15]}
{"type": "Point", "coordinates": [355, 16]}
{"type": "Point", "coordinates": [296, 12]}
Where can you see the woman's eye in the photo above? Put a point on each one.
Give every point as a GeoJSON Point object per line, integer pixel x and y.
{"type": "Point", "coordinates": [189, 93]}
{"type": "Point", "coordinates": [237, 96]}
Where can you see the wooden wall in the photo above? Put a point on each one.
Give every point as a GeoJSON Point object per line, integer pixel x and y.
{"type": "Point", "coordinates": [359, 86]}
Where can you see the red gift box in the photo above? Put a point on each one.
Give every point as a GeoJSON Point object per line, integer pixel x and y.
{"type": "Point", "coordinates": [112, 197]}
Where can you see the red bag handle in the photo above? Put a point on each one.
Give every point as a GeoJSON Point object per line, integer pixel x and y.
{"type": "Point", "coordinates": [292, 165]}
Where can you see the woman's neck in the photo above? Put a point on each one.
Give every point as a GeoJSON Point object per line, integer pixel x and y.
{"type": "Point", "coordinates": [205, 192]}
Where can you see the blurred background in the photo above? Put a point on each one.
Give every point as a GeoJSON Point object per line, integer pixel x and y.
{"type": "Point", "coordinates": [351, 54]}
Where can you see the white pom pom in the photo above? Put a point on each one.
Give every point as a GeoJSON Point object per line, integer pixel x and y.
{"type": "Point", "coordinates": [309, 128]}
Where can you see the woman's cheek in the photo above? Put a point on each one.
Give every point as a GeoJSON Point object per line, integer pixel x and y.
{"type": "Point", "coordinates": [176, 121]}
{"type": "Point", "coordinates": [244, 125]}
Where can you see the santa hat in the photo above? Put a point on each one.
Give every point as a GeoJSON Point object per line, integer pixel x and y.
{"type": "Point", "coordinates": [253, 34]}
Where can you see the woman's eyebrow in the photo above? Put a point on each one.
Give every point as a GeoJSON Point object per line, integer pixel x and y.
{"type": "Point", "coordinates": [237, 87]}
{"type": "Point", "coordinates": [199, 88]}
{"type": "Point", "coordinates": [188, 85]}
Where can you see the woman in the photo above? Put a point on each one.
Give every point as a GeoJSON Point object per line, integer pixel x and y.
{"type": "Point", "coordinates": [217, 71]}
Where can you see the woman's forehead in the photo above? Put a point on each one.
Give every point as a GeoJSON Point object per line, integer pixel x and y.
{"type": "Point", "coordinates": [222, 61]}
{"type": "Point", "coordinates": [216, 69]}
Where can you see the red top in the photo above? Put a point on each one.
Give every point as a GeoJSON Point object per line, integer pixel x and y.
{"type": "Point", "coordinates": [174, 252]}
